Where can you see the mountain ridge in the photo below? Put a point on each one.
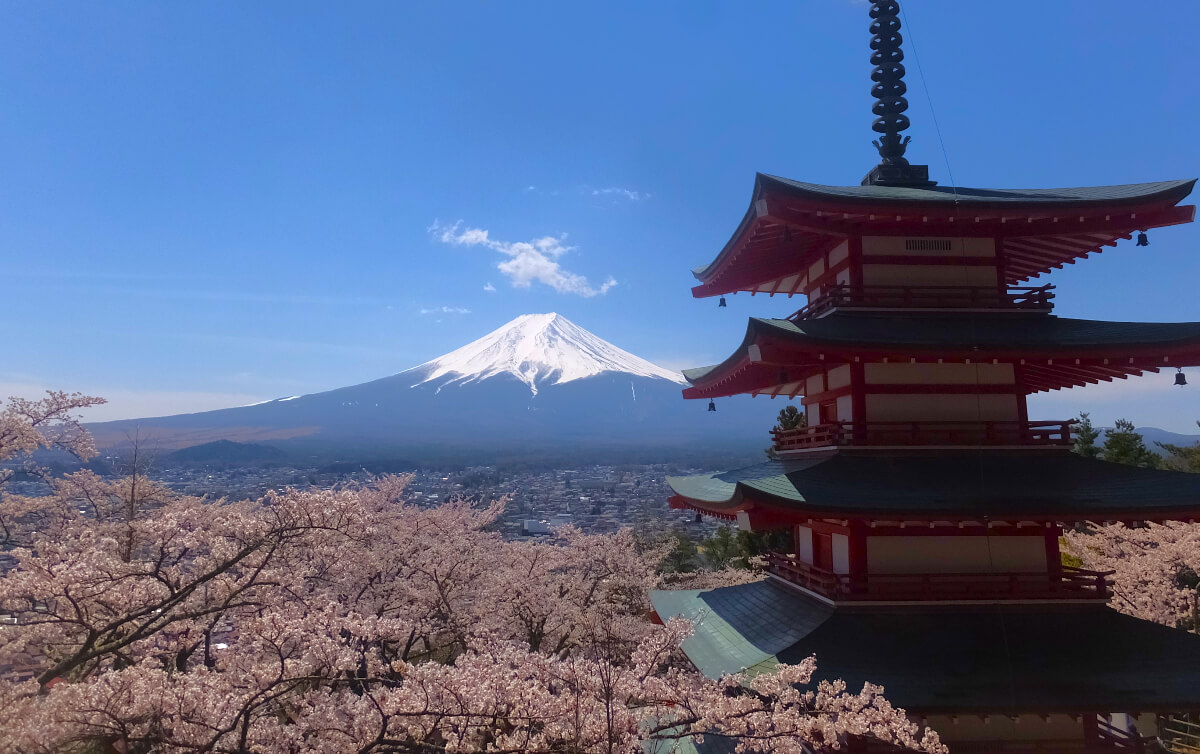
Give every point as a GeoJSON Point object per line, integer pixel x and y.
{"type": "Point", "coordinates": [540, 381]}
{"type": "Point", "coordinates": [536, 348]}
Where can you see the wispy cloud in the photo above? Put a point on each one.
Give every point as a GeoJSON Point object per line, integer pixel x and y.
{"type": "Point", "coordinates": [617, 192]}
{"type": "Point", "coordinates": [489, 288]}
{"type": "Point", "coordinates": [527, 262]}
{"type": "Point", "coordinates": [446, 310]}
{"type": "Point", "coordinates": [124, 403]}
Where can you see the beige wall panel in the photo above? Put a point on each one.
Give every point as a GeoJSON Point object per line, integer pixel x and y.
{"type": "Point", "coordinates": [941, 408]}
{"type": "Point", "coordinates": [939, 374]}
{"type": "Point", "coordinates": [838, 377]}
{"type": "Point", "coordinates": [839, 253]}
{"type": "Point", "coordinates": [965, 554]}
{"type": "Point", "coordinates": [804, 544]}
{"type": "Point", "coordinates": [845, 408]}
{"type": "Point", "coordinates": [928, 274]}
{"type": "Point", "coordinates": [841, 553]}
{"type": "Point", "coordinates": [816, 269]}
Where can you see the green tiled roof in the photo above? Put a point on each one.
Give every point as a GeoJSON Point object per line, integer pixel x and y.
{"type": "Point", "coordinates": [1031, 333]}
{"type": "Point", "coordinates": [1019, 331]}
{"type": "Point", "coordinates": [992, 483]}
{"type": "Point", "coordinates": [719, 647]}
{"type": "Point", "coordinates": [1010, 660]}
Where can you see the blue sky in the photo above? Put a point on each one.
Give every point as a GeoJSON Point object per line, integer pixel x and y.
{"type": "Point", "coordinates": [206, 204]}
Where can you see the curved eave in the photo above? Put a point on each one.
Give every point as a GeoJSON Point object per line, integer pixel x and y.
{"type": "Point", "coordinates": [789, 224]}
{"type": "Point", "coordinates": [776, 356]}
{"type": "Point", "coordinates": [1120, 195]}
{"type": "Point", "coordinates": [1042, 487]}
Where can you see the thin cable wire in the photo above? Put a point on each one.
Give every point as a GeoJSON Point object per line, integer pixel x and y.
{"type": "Point", "coordinates": [912, 42]}
{"type": "Point", "coordinates": [974, 330]}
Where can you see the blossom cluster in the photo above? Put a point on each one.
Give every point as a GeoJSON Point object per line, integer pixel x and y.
{"type": "Point", "coordinates": [1153, 567]}
{"type": "Point", "coordinates": [349, 620]}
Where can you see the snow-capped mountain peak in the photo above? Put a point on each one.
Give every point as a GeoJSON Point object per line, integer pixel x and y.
{"type": "Point", "coordinates": [537, 349]}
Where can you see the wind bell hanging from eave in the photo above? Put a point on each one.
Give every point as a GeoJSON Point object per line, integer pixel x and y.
{"type": "Point", "coordinates": [1180, 377]}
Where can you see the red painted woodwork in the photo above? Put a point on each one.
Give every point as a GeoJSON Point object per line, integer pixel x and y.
{"type": "Point", "coordinates": [827, 411]}
{"type": "Point", "coordinates": [785, 235]}
{"type": "Point", "coordinates": [1067, 366]}
{"type": "Point", "coordinates": [823, 550]}
{"type": "Point", "coordinates": [826, 434]}
{"type": "Point", "coordinates": [837, 296]}
{"type": "Point", "coordinates": [1065, 583]}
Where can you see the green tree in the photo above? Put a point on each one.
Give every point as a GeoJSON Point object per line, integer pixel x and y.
{"type": "Point", "coordinates": [1124, 444]}
{"type": "Point", "coordinates": [751, 543]}
{"type": "Point", "coordinates": [1182, 457]}
{"type": "Point", "coordinates": [789, 417]}
{"type": "Point", "coordinates": [720, 549]}
{"type": "Point", "coordinates": [1085, 436]}
{"type": "Point", "coordinates": [683, 557]}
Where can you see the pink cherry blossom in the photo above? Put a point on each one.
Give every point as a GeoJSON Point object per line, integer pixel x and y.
{"type": "Point", "coordinates": [349, 620]}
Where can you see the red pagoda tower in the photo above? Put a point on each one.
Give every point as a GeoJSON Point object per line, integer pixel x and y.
{"type": "Point", "coordinates": [925, 505]}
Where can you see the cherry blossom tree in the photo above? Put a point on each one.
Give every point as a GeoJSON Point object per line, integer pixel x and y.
{"type": "Point", "coordinates": [26, 427]}
{"type": "Point", "coordinates": [349, 620]}
{"type": "Point", "coordinates": [1154, 568]}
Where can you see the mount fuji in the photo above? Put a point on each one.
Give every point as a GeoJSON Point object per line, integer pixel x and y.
{"type": "Point", "coordinates": [540, 383]}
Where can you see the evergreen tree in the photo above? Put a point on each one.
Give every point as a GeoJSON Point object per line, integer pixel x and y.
{"type": "Point", "coordinates": [683, 557]}
{"type": "Point", "coordinates": [720, 549]}
{"type": "Point", "coordinates": [789, 417]}
{"type": "Point", "coordinates": [1124, 444]}
{"type": "Point", "coordinates": [751, 543]}
{"type": "Point", "coordinates": [1182, 457]}
{"type": "Point", "coordinates": [1085, 436]}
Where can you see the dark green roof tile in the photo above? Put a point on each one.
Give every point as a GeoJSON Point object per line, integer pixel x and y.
{"type": "Point", "coordinates": [952, 483]}
{"type": "Point", "coordinates": [947, 659]}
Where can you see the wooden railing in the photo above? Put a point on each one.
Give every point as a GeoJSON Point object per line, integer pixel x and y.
{"type": "Point", "coordinates": [1179, 734]}
{"type": "Point", "coordinates": [1065, 583]}
{"type": "Point", "coordinates": [925, 297]}
{"type": "Point", "coordinates": [915, 434]}
{"type": "Point", "coordinates": [1112, 738]}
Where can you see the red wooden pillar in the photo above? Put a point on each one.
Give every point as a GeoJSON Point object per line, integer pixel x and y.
{"type": "Point", "coordinates": [858, 554]}
{"type": "Point", "coordinates": [1001, 285]}
{"type": "Point", "coordinates": [1053, 555]}
{"type": "Point", "coordinates": [1022, 396]}
{"type": "Point", "coordinates": [858, 400]}
{"type": "Point", "coordinates": [1091, 729]}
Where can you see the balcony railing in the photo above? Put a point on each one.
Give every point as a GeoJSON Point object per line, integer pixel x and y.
{"type": "Point", "coordinates": [1065, 583]}
{"type": "Point", "coordinates": [917, 434]}
{"type": "Point", "coordinates": [840, 295]}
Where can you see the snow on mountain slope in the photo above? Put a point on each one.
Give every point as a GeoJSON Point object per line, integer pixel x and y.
{"type": "Point", "coordinates": [536, 349]}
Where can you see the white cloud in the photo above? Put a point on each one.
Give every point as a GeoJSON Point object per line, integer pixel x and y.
{"type": "Point", "coordinates": [489, 288]}
{"type": "Point", "coordinates": [528, 262]}
{"type": "Point", "coordinates": [446, 310]}
{"type": "Point", "coordinates": [618, 192]}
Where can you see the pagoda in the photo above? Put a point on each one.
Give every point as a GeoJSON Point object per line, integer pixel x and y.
{"type": "Point", "coordinates": [925, 506]}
